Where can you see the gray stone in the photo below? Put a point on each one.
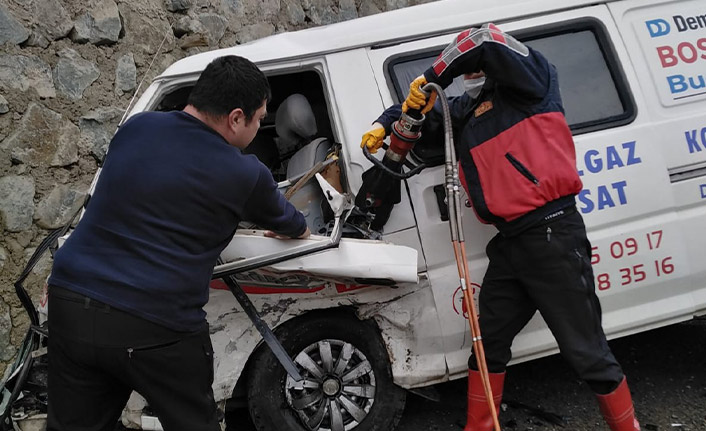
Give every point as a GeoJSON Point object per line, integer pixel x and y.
{"type": "Point", "coordinates": [11, 30]}
{"type": "Point", "coordinates": [294, 12]}
{"type": "Point", "coordinates": [125, 74]}
{"type": "Point", "coordinates": [52, 19]}
{"type": "Point", "coordinates": [4, 106]}
{"type": "Point", "coordinates": [73, 74]}
{"type": "Point", "coordinates": [58, 207]}
{"type": "Point", "coordinates": [97, 129]}
{"type": "Point", "coordinates": [319, 11]}
{"type": "Point", "coordinates": [347, 9]}
{"type": "Point", "coordinates": [100, 26]}
{"type": "Point", "coordinates": [396, 4]}
{"type": "Point", "coordinates": [177, 5]}
{"type": "Point", "coordinates": [43, 265]}
{"type": "Point", "coordinates": [17, 202]}
{"type": "Point", "coordinates": [3, 258]}
{"type": "Point", "coordinates": [43, 138]}
{"type": "Point", "coordinates": [215, 26]}
{"type": "Point", "coordinates": [82, 29]}
{"type": "Point", "coordinates": [21, 72]}
{"type": "Point", "coordinates": [188, 25]}
{"type": "Point", "coordinates": [146, 29]}
{"type": "Point", "coordinates": [268, 8]}
{"type": "Point", "coordinates": [255, 10]}
{"type": "Point", "coordinates": [7, 350]}
{"type": "Point", "coordinates": [255, 31]}
{"type": "Point", "coordinates": [38, 39]}
{"type": "Point", "coordinates": [369, 8]}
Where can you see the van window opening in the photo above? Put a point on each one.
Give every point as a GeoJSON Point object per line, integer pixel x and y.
{"type": "Point", "coordinates": [270, 148]}
{"type": "Point", "coordinates": [593, 88]}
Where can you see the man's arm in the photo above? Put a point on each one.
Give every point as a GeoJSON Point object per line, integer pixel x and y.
{"type": "Point", "coordinates": [504, 59]}
{"type": "Point", "coordinates": [433, 127]}
{"type": "Point", "coordinates": [268, 208]}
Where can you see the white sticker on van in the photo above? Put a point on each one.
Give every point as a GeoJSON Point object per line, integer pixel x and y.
{"type": "Point", "coordinates": [675, 47]}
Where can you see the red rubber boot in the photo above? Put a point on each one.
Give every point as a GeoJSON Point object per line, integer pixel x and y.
{"type": "Point", "coordinates": [618, 410]}
{"type": "Point", "coordinates": [479, 418]}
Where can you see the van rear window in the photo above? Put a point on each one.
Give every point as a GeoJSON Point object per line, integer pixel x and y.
{"type": "Point", "coordinates": [593, 87]}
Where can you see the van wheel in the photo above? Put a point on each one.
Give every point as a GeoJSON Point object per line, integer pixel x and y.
{"type": "Point", "coordinates": [347, 382]}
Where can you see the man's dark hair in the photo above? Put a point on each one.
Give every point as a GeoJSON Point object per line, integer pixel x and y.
{"type": "Point", "coordinates": [229, 83]}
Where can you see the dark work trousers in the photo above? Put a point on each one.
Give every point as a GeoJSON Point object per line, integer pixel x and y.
{"type": "Point", "coordinates": [546, 268]}
{"type": "Point", "coordinates": [98, 355]}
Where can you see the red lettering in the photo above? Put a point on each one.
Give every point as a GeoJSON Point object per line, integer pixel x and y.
{"type": "Point", "coordinates": [687, 52]}
{"type": "Point", "coordinates": [701, 43]}
{"type": "Point", "coordinates": [666, 56]}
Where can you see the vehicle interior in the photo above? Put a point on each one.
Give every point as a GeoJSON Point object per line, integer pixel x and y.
{"type": "Point", "coordinates": [295, 141]}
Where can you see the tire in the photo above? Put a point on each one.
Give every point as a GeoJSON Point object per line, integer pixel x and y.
{"type": "Point", "coordinates": [348, 395]}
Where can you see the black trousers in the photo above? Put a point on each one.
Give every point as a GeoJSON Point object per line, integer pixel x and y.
{"type": "Point", "coordinates": [98, 355]}
{"type": "Point", "coordinates": [546, 268]}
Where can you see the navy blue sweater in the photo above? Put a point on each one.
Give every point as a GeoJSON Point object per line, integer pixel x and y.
{"type": "Point", "coordinates": [168, 200]}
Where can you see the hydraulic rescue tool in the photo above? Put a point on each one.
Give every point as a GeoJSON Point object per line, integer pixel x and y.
{"type": "Point", "coordinates": [380, 191]}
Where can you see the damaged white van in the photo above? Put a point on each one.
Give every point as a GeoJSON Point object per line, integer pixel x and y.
{"type": "Point", "coordinates": [376, 312]}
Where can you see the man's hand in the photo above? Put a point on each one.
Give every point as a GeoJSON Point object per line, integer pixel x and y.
{"type": "Point", "coordinates": [373, 138]}
{"type": "Point", "coordinates": [270, 234]}
{"type": "Point", "coordinates": [417, 98]}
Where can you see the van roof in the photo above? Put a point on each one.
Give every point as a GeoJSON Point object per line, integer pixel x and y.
{"type": "Point", "coordinates": [384, 28]}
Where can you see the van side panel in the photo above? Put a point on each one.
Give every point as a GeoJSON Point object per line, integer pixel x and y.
{"type": "Point", "coordinates": [667, 45]}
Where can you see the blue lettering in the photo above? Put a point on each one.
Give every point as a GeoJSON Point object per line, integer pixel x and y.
{"type": "Point", "coordinates": [692, 142]}
{"type": "Point", "coordinates": [613, 158]}
{"type": "Point", "coordinates": [620, 188]}
{"type": "Point", "coordinates": [594, 165]}
{"type": "Point", "coordinates": [703, 191]}
{"type": "Point", "coordinates": [701, 82]}
{"type": "Point", "coordinates": [604, 199]}
{"type": "Point", "coordinates": [632, 160]}
{"type": "Point", "coordinates": [677, 83]}
{"type": "Point", "coordinates": [585, 198]}
{"type": "Point", "coordinates": [657, 27]}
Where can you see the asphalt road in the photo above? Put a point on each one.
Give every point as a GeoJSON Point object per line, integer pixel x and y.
{"type": "Point", "coordinates": [666, 370]}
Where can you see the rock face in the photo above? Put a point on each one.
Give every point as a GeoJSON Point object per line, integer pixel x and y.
{"type": "Point", "coordinates": [11, 30]}
{"type": "Point", "coordinates": [125, 74]}
{"type": "Point", "coordinates": [100, 26]}
{"type": "Point", "coordinates": [43, 138]}
{"type": "Point", "coordinates": [73, 74]}
{"type": "Point", "coordinates": [25, 72]}
{"type": "Point", "coordinates": [52, 19]}
{"type": "Point", "coordinates": [56, 209]}
{"type": "Point", "coordinates": [16, 202]}
{"type": "Point", "coordinates": [68, 70]}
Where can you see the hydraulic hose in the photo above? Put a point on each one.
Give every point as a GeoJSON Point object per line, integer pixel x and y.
{"type": "Point", "coordinates": [453, 197]}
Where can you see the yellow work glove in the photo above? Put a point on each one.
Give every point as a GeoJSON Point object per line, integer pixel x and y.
{"type": "Point", "coordinates": [417, 98]}
{"type": "Point", "coordinates": [373, 138]}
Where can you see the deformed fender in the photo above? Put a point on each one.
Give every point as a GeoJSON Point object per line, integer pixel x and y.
{"type": "Point", "coordinates": [406, 316]}
{"type": "Point", "coordinates": [410, 328]}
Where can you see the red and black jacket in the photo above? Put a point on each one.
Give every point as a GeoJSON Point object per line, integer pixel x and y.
{"type": "Point", "coordinates": [513, 143]}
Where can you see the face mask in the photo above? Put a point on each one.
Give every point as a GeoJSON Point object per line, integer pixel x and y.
{"type": "Point", "coordinates": [473, 86]}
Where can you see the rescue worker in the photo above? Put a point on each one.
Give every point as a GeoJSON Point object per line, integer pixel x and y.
{"type": "Point", "coordinates": [518, 166]}
{"type": "Point", "coordinates": [128, 287]}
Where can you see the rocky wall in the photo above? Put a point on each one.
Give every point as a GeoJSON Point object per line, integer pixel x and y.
{"type": "Point", "coordinates": [68, 70]}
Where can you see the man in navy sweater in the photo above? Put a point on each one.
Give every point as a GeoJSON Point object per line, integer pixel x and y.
{"type": "Point", "coordinates": [128, 287]}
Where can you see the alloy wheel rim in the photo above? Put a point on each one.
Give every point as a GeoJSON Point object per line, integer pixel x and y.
{"type": "Point", "coordinates": [337, 389]}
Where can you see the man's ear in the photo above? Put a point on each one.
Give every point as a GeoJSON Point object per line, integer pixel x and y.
{"type": "Point", "coordinates": [236, 118]}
